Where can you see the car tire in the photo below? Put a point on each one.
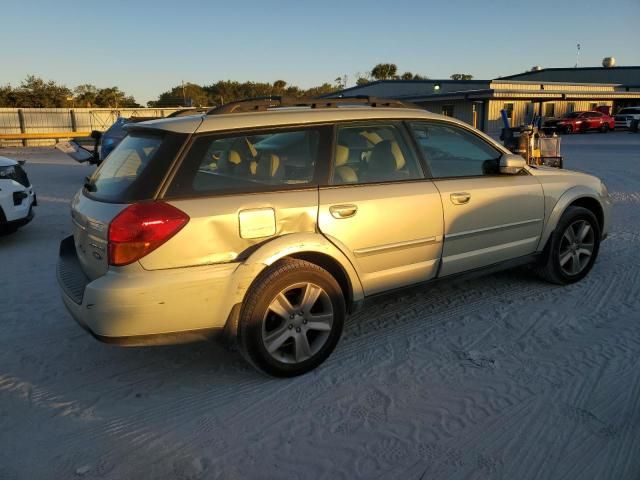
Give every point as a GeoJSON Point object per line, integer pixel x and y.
{"type": "Point", "coordinates": [571, 250]}
{"type": "Point", "coordinates": [275, 332]}
{"type": "Point", "coordinates": [604, 128]}
{"type": "Point", "coordinates": [568, 129]}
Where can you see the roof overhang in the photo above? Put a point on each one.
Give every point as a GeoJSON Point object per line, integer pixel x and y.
{"type": "Point", "coordinates": [541, 95]}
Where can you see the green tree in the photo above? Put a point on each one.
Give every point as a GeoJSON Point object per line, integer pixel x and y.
{"type": "Point", "coordinates": [7, 96]}
{"type": "Point", "coordinates": [35, 92]}
{"type": "Point", "coordinates": [85, 95]}
{"type": "Point", "coordinates": [184, 95]}
{"type": "Point", "coordinates": [320, 90]}
{"type": "Point", "coordinates": [384, 71]}
{"type": "Point", "coordinates": [461, 76]}
{"type": "Point", "coordinates": [113, 97]}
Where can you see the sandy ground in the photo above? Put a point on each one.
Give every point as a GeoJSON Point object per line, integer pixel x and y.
{"type": "Point", "coordinates": [499, 377]}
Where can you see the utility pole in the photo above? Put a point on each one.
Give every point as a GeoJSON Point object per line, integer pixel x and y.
{"type": "Point", "coordinates": [184, 95]}
{"type": "Point", "coordinates": [577, 55]}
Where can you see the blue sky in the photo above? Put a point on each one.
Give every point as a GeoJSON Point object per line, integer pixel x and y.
{"type": "Point", "coordinates": [146, 47]}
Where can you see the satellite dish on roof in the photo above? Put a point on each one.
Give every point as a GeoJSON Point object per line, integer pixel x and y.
{"type": "Point", "coordinates": [609, 62]}
{"type": "Point", "coordinates": [535, 68]}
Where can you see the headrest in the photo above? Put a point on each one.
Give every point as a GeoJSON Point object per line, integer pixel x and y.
{"type": "Point", "coordinates": [372, 137]}
{"type": "Point", "coordinates": [268, 165]}
{"type": "Point", "coordinates": [241, 150]}
{"type": "Point", "coordinates": [342, 155]}
{"type": "Point", "coordinates": [387, 156]}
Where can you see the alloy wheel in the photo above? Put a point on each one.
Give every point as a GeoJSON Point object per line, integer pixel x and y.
{"type": "Point", "coordinates": [576, 247]}
{"type": "Point", "coordinates": [297, 323]}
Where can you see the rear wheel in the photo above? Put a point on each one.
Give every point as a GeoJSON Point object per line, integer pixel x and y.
{"type": "Point", "coordinates": [291, 319]}
{"type": "Point", "coordinates": [568, 129]}
{"type": "Point", "coordinates": [572, 248]}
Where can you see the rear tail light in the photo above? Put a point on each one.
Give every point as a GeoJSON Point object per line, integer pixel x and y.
{"type": "Point", "coordinates": [141, 228]}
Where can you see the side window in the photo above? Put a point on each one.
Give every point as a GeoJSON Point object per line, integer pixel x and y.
{"type": "Point", "coordinates": [373, 153]}
{"type": "Point", "coordinates": [249, 162]}
{"type": "Point", "coordinates": [451, 151]}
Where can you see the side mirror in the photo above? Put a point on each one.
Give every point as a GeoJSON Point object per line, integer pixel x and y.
{"type": "Point", "coordinates": [511, 164]}
{"type": "Point", "coordinates": [96, 134]}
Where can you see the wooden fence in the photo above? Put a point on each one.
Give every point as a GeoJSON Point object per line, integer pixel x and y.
{"type": "Point", "coordinates": [40, 126]}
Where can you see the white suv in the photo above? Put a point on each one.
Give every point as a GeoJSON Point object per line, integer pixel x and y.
{"type": "Point", "coordinates": [17, 197]}
{"type": "Point", "coordinates": [624, 117]}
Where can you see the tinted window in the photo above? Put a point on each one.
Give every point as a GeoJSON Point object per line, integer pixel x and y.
{"type": "Point", "coordinates": [248, 162]}
{"type": "Point", "coordinates": [630, 111]}
{"type": "Point", "coordinates": [451, 151]}
{"type": "Point", "coordinates": [373, 153]}
{"type": "Point", "coordinates": [126, 174]}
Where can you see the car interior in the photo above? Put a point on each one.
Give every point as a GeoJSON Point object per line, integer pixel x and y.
{"type": "Point", "coordinates": [271, 159]}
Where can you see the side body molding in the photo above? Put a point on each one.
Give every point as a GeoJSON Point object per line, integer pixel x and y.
{"type": "Point", "coordinates": [561, 205]}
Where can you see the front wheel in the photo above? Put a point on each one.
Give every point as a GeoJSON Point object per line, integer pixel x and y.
{"type": "Point", "coordinates": [572, 249]}
{"type": "Point", "coordinates": [604, 128]}
{"type": "Point", "coordinates": [291, 319]}
{"type": "Point", "coordinates": [568, 129]}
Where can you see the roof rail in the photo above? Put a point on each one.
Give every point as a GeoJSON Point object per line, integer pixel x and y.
{"type": "Point", "coordinates": [263, 103]}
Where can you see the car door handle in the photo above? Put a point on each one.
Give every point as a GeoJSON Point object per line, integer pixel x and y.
{"type": "Point", "coordinates": [460, 198]}
{"type": "Point", "coordinates": [343, 211]}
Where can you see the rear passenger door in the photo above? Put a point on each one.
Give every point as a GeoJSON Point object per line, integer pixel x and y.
{"type": "Point", "coordinates": [379, 208]}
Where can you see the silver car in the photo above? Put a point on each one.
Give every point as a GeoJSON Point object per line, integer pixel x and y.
{"type": "Point", "coordinates": [269, 221]}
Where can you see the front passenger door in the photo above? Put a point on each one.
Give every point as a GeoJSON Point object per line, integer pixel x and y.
{"type": "Point", "coordinates": [488, 217]}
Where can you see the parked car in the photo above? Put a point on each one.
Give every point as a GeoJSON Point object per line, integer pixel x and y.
{"type": "Point", "coordinates": [269, 225]}
{"type": "Point", "coordinates": [17, 197]}
{"type": "Point", "coordinates": [582, 122]}
{"type": "Point", "coordinates": [625, 116]}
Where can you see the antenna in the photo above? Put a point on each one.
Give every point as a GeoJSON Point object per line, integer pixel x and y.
{"type": "Point", "coordinates": [577, 55]}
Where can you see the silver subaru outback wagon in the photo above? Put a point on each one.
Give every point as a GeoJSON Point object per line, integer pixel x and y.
{"type": "Point", "coordinates": [271, 220]}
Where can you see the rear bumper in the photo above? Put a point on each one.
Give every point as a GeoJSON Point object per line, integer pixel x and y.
{"type": "Point", "coordinates": [147, 307]}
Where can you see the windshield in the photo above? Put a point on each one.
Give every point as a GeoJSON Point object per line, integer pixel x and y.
{"type": "Point", "coordinates": [573, 115]}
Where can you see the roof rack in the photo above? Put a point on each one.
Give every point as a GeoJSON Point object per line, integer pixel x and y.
{"type": "Point", "coordinates": [263, 103]}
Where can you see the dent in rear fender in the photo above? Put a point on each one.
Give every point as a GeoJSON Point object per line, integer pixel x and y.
{"type": "Point", "coordinates": [561, 205]}
{"type": "Point", "coordinates": [287, 245]}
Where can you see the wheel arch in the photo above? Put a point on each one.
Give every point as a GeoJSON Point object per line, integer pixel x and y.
{"type": "Point", "coordinates": [575, 197]}
{"type": "Point", "coordinates": [312, 247]}
{"type": "Point", "coordinates": [334, 267]}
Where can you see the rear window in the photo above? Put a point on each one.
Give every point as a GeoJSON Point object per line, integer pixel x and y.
{"type": "Point", "coordinates": [134, 169]}
{"type": "Point", "coordinates": [250, 162]}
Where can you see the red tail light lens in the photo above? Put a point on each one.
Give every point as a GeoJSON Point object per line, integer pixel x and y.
{"type": "Point", "coordinates": [141, 228]}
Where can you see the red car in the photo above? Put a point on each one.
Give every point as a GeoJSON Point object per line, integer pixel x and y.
{"type": "Point", "coordinates": [582, 122]}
